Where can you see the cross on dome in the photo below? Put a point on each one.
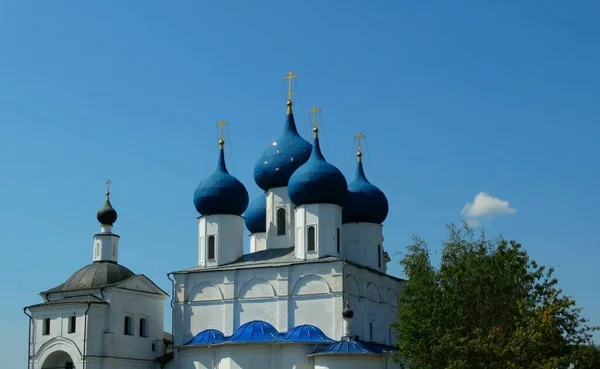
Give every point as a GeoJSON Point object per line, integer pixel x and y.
{"type": "Point", "coordinates": [359, 136]}
{"type": "Point", "coordinates": [222, 125]}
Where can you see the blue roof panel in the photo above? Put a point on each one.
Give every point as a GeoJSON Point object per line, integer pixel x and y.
{"type": "Point", "coordinates": [207, 337]}
{"type": "Point", "coordinates": [254, 331]}
{"type": "Point", "coordinates": [306, 333]}
{"type": "Point", "coordinates": [346, 348]}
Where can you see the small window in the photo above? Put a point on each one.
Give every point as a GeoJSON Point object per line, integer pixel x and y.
{"type": "Point", "coordinates": [153, 346]}
{"type": "Point", "coordinates": [390, 335]}
{"type": "Point", "coordinates": [371, 331]}
{"type": "Point", "coordinates": [281, 221]}
{"type": "Point", "coordinates": [143, 327]}
{"type": "Point", "coordinates": [46, 327]}
{"type": "Point", "coordinates": [72, 324]}
{"type": "Point", "coordinates": [379, 255]}
{"type": "Point", "coordinates": [211, 247]}
{"type": "Point", "coordinates": [97, 249]}
{"type": "Point", "coordinates": [128, 328]}
{"type": "Point", "coordinates": [337, 239]}
{"type": "Point", "coordinates": [114, 251]}
{"type": "Point", "coordinates": [311, 239]}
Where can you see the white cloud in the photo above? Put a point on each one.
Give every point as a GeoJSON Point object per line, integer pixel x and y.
{"type": "Point", "coordinates": [473, 222]}
{"type": "Point", "coordinates": [484, 204]}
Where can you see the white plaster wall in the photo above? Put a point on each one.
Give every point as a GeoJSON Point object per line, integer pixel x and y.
{"type": "Point", "coordinates": [374, 299]}
{"type": "Point", "coordinates": [284, 296]}
{"type": "Point", "coordinates": [360, 242]}
{"type": "Point", "coordinates": [327, 218]}
{"type": "Point", "coordinates": [278, 198]}
{"type": "Point", "coordinates": [258, 241]}
{"type": "Point", "coordinates": [229, 238]}
{"type": "Point", "coordinates": [349, 362]}
{"type": "Point", "coordinates": [106, 245]}
{"type": "Point", "coordinates": [106, 328]}
{"type": "Point", "coordinates": [250, 356]}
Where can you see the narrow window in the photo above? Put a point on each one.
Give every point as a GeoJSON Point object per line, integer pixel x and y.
{"type": "Point", "coordinates": [46, 327]}
{"type": "Point", "coordinates": [72, 324]}
{"type": "Point", "coordinates": [338, 240]}
{"type": "Point", "coordinates": [153, 346]}
{"type": "Point", "coordinates": [390, 335]}
{"type": "Point", "coordinates": [127, 329]}
{"type": "Point", "coordinates": [379, 255]}
{"type": "Point", "coordinates": [143, 327]}
{"type": "Point", "coordinates": [114, 251]}
{"type": "Point", "coordinates": [281, 221]}
{"type": "Point", "coordinates": [311, 238]}
{"type": "Point", "coordinates": [211, 247]}
{"type": "Point", "coordinates": [371, 331]}
{"type": "Point", "coordinates": [97, 249]}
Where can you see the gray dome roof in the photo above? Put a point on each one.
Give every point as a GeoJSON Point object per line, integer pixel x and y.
{"type": "Point", "coordinates": [96, 275]}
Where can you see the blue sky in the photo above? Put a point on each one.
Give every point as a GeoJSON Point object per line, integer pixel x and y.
{"type": "Point", "coordinates": [456, 98]}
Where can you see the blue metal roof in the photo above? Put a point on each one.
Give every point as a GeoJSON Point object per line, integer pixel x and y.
{"type": "Point", "coordinates": [256, 215]}
{"type": "Point", "coordinates": [281, 158]}
{"type": "Point", "coordinates": [364, 201]}
{"type": "Point", "coordinates": [221, 193]}
{"type": "Point", "coordinates": [317, 181]}
{"type": "Point", "coordinates": [306, 333]}
{"type": "Point", "coordinates": [254, 331]}
{"type": "Point", "coordinates": [347, 348]}
{"type": "Point", "coordinates": [207, 337]}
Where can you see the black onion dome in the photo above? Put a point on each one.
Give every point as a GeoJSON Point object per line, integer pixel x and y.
{"type": "Point", "coordinates": [96, 275]}
{"type": "Point", "coordinates": [107, 215]}
{"type": "Point", "coordinates": [347, 312]}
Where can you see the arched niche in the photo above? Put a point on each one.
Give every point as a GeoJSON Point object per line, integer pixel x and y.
{"type": "Point", "coordinates": [256, 288]}
{"type": "Point", "coordinates": [311, 284]}
{"type": "Point", "coordinates": [372, 292]}
{"type": "Point", "coordinates": [205, 291]}
{"type": "Point", "coordinates": [351, 286]}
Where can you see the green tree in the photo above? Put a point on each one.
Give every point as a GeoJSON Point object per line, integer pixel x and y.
{"type": "Point", "coordinates": [486, 306]}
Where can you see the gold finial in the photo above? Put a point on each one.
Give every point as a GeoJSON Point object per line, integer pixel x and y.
{"type": "Point", "coordinates": [290, 76]}
{"type": "Point", "coordinates": [315, 110]}
{"type": "Point", "coordinates": [359, 136]}
{"type": "Point", "coordinates": [222, 125]}
{"type": "Point", "coordinates": [108, 182]}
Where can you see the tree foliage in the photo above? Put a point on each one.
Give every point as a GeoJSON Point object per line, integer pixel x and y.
{"type": "Point", "coordinates": [487, 305]}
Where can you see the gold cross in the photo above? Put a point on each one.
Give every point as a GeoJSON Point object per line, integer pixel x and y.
{"type": "Point", "coordinates": [358, 136]}
{"type": "Point", "coordinates": [108, 182]}
{"type": "Point", "coordinates": [222, 124]}
{"type": "Point", "coordinates": [314, 111]}
{"type": "Point", "coordinates": [290, 76]}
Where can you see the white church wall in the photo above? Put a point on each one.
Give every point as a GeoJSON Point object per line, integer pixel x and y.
{"type": "Point", "coordinates": [363, 244]}
{"type": "Point", "coordinates": [106, 245]}
{"type": "Point", "coordinates": [59, 326]}
{"type": "Point", "coordinates": [228, 231]}
{"type": "Point", "coordinates": [106, 328]}
{"type": "Point", "coordinates": [284, 296]}
{"type": "Point", "coordinates": [258, 241]}
{"type": "Point", "coordinates": [327, 222]}
{"type": "Point", "coordinates": [350, 362]}
{"type": "Point", "coordinates": [277, 198]}
{"type": "Point", "coordinates": [374, 298]}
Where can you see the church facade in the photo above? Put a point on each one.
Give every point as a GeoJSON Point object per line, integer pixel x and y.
{"type": "Point", "coordinates": [312, 293]}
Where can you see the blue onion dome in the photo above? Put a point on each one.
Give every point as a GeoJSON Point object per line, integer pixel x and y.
{"type": "Point", "coordinates": [107, 215]}
{"type": "Point", "coordinates": [221, 193]}
{"type": "Point", "coordinates": [317, 181]}
{"type": "Point", "coordinates": [364, 201]}
{"type": "Point", "coordinates": [281, 159]}
{"type": "Point", "coordinates": [256, 215]}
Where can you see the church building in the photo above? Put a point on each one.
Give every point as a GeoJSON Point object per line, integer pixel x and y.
{"type": "Point", "coordinates": [312, 293]}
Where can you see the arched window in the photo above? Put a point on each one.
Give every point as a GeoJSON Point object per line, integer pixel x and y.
{"type": "Point", "coordinates": [46, 328]}
{"type": "Point", "coordinates": [280, 221]}
{"type": "Point", "coordinates": [211, 247]}
{"type": "Point", "coordinates": [127, 328]}
{"type": "Point", "coordinates": [379, 255]}
{"type": "Point", "coordinates": [312, 244]}
{"type": "Point", "coordinates": [337, 239]}
{"type": "Point", "coordinates": [143, 327]}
